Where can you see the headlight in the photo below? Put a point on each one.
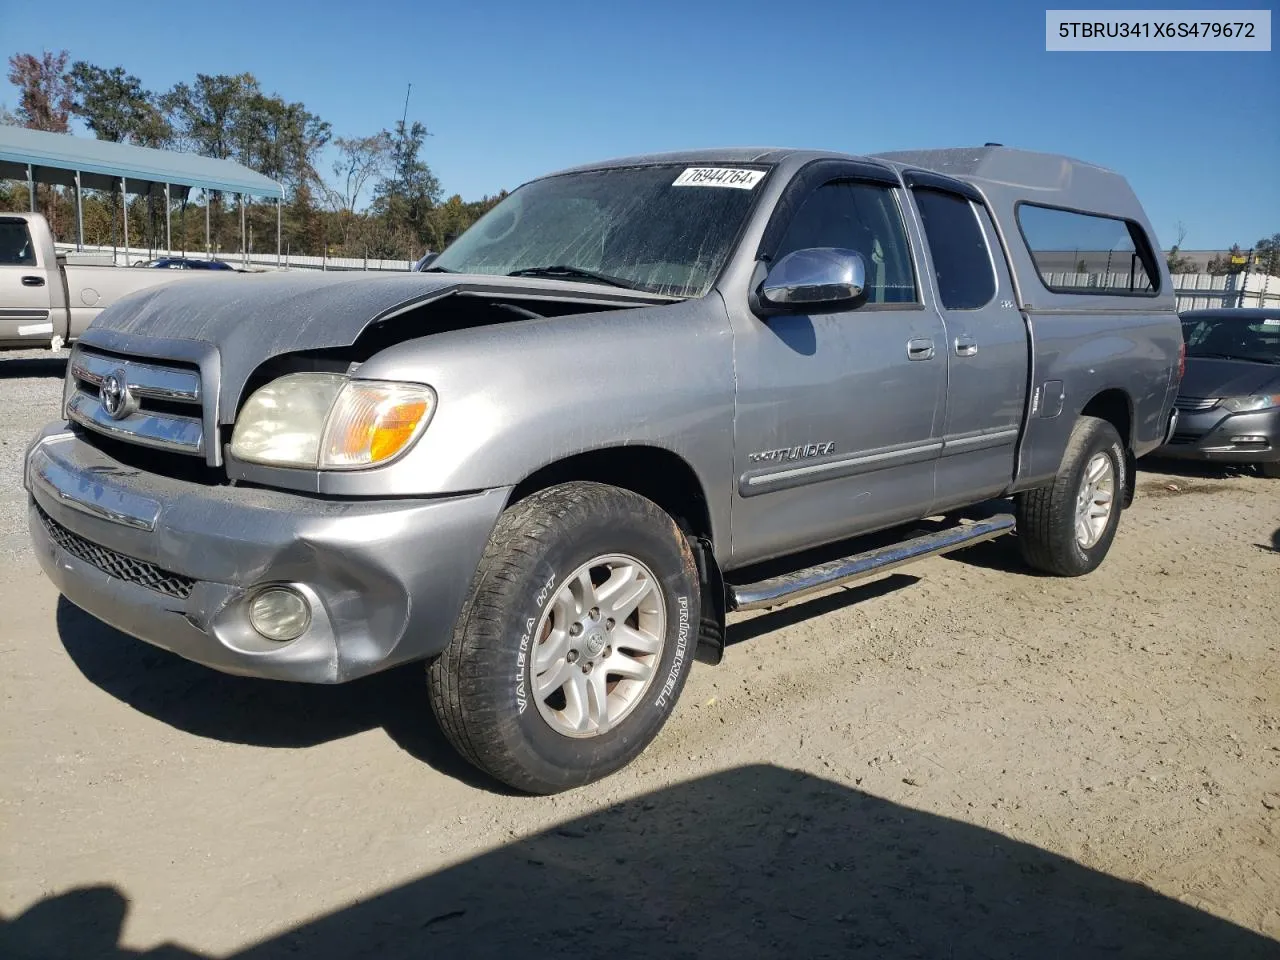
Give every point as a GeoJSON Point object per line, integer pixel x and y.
{"type": "Point", "coordinates": [1250, 404]}
{"type": "Point", "coordinates": [327, 421]}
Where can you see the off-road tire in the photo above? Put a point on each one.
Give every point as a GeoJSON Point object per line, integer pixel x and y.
{"type": "Point", "coordinates": [1046, 516]}
{"type": "Point", "coordinates": [480, 686]}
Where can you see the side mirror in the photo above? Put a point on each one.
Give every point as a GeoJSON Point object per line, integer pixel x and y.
{"type": "Point", "coordinates": [812, 280]}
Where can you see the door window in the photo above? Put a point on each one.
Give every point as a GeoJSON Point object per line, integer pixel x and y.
{"type": "Point", "coordinates": [16, 248]}
{"type": "Point", "coordinates": [961, 259]}
{"type": "Point", "coordinates": [863, 217]}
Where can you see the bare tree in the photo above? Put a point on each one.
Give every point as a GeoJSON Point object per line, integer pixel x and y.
{"type": "Point", "coordinates": [45, 95]}
{"type": "Point", "coordinates": [1175, 259]}
{"type": "Point", "coordinates": [360, 159]}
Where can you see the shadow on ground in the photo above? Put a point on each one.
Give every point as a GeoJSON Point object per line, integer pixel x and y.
{"type": "Point", "coordinates": [15, 367]}
{"type": "Point", "coordinates": [758, 626]}
{"type": "Point", "coordinates": [262, 713]}
{"type": "Point", "coordinates": [753, 862]}
{"type": "Point", "coordinates": [1194, 469]}
{"type": "Point", "coordinates": [269, 713]}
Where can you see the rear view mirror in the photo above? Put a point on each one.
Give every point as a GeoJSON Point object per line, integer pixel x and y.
{"type": "Point", "coordinates": [814, 279]}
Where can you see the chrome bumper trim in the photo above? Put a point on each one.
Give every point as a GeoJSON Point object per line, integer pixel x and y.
{"type": "Point", "coordinates": [91, 496]}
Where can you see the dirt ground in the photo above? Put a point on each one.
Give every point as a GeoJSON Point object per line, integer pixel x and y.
{"type": "Point", "coordinates": [960, 760]}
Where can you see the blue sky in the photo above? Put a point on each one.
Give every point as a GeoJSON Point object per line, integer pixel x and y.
{"type": "Point", "coordinates": [512, 89]}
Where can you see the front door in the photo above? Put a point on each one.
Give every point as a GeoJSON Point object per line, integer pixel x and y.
{"type": "Point", "coordinates": [986, 346]}
{"type": "Point", "coordinates": [839, 415]}
{"type": "Point", "coordinates": [24, 287]}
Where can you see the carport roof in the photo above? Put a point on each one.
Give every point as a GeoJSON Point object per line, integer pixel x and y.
{"type": "Point", "coordinates": [56, 157]}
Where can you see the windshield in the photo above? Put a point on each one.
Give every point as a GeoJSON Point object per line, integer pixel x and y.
{"type": "Point", "coordinates": [1255, 337]}
{"type": "Point", "coordinates": [662, 229]}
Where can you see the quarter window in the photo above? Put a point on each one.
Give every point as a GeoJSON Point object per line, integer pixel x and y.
{"type": "Point", "coordinates": [961, 259]}
{"type": "Point", "coordinates": [863, 217]}
{"type": "Point", "coordinates": [1088, 253]}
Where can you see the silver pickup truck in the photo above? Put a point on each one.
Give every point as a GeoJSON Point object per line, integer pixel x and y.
{"type": "Point", "coordinates": [634, 397]}
{"type": "Point", "coordinates": [46, 301]}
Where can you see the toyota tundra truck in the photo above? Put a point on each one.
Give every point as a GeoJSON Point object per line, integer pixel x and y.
{"type": "Point", "coordinates": [634, 397]}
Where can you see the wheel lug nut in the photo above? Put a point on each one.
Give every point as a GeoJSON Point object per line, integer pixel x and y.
{"type": "Point", "coordinates": [595, 613]}
{"type": "Point", "coordinates": [608, 652]}
{"type": "Point", "coordinates": [572, 656]}
{"type": "Point", "coordinates": [609, 624]}
{"type": "Point", "coordinates": [575, 630]}
{"type": "Point", "coordinates": [586, 666]}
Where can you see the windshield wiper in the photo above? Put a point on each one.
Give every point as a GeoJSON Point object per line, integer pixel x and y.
{"type": "Point", "coordinates": [436, 270]}
{"type": "Point", "coordinates": [563, 270]}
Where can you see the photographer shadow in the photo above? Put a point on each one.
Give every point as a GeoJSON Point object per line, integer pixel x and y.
{"type": "Point", "coordinates": [755, 862]}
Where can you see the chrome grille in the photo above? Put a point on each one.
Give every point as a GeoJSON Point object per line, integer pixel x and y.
{"type": "Point", "coordinates": [162, 407]}
{"type": "Point", "coordinates": [1192, 404]}
{"type": "Point", "coordinates": [115, 564]}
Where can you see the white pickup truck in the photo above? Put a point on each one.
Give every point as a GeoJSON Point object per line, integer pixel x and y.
{"type": "Point", "coordinates": [46, 301]}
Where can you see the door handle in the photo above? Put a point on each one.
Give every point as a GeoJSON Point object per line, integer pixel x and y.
{"type": "Point", "coordinates": [966, 346]}
{"type": "Point", "coordinates": [33, 281]}
{"type": "Point", "coordinates": [920, 349]}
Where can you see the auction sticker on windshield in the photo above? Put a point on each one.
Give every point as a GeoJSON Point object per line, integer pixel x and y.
{"type": "Point", "coordinates": [719, 177]}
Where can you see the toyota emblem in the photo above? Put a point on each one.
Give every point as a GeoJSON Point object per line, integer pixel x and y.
{"type": "Point", "coordinates": [116, 399]}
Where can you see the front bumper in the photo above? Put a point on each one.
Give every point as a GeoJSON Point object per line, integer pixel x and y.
{"type": "Point", "coordinates": [175, 563]}
{"type": "Point", "coordinates": [1219, 435]}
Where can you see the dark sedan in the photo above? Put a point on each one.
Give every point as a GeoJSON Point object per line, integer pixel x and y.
{"type": "Point", "coordinates": [185, 263]}
{"type": "Point", "coordinates": [1229, 401]}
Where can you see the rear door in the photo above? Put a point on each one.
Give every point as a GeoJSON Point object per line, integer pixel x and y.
{"type": "Point", "coordinates": [986, 345]}
{"type": "Point", "coordinates": [24, 287]}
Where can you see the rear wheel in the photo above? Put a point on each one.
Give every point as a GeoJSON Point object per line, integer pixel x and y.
{"type": "Point", "coordinates": [1067, 527]}
{"type": "Point", "coordinates": [575, 643]}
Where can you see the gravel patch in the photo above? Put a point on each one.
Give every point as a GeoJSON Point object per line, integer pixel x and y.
{"type": "Point", "coordinates": [30, 394]}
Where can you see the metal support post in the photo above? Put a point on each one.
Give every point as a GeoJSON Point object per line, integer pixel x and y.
{"type": "Point", "coordinates": [124, 206]}
{"type": "Point", "coordinates": [79, 215]}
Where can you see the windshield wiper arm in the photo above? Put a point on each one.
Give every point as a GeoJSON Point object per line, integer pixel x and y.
{"type": "Point", "coordinates": [563, 270]}
{"type": "Point", "coordinates": [430, 269]}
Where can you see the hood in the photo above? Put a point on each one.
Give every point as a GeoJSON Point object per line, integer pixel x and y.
{"type": "Point", "coordinates": [1214, 377]}
{"type": "Point", "coordinates": [245, 321]}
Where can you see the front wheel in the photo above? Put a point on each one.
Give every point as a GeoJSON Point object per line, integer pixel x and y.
{"type": "Point", "coordinates": [576, 640]}
{"type": "Point", "coordinates": [1066, 527]}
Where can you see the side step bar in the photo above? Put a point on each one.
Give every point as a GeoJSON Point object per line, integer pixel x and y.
{"type": "Point", "coordinates": [792, 586]}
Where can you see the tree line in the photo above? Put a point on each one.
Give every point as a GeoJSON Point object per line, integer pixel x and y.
{"type": "Point", "coordinates": [1264, 257]}
{"type": "Point", "coordinates": [230, 117]}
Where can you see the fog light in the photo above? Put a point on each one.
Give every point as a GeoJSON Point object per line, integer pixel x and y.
{"type": "Point", "coordinates": [280, 613]}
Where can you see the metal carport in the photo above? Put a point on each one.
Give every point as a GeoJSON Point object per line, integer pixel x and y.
{"type": "Point", "coordinates": [37, 156]}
